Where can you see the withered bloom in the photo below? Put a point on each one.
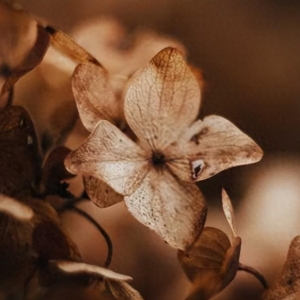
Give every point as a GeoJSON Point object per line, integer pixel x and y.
{"type": "Point", "coordinates": [156, 175]}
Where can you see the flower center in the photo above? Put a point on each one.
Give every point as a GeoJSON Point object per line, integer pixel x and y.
{"type": "Point", "coordinates": [158, 158]}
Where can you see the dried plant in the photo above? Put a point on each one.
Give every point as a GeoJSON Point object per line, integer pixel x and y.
{"type": "Point", "coordinates": [146, 146]}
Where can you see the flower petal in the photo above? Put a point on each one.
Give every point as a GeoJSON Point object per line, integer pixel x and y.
{"type": "Point", "coordinates": [211, 146]}
{"type": "Point", "coordinates": [123, 291]}
{"type": "Point", "coordinates": [162, 100]}
{"type": "Point", "coordinates": [175, 210]}
{"type": "Point", "coordinates": [76, 267]}
{"type": "Point", "coordinates": [100, 192]}
{"type": "Point", "coordinates": [108, 154]}
{"type": "Point", "coordinates": [94, 96]}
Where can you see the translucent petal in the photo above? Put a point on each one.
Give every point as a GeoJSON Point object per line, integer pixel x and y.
{"type": "Point", "coordinates": [100, 192]}
{"type": "Point", "coordinates": [76, 267]}
{"type": "Point", "coordinates": [175, 210]}
{"type": "Point", "coordinates": [109, 155]}
{"type": "Point", "coordinates": [211, 146]}
{"type": "Point", "coordinates": [162, 100]}
{"type": "Point", "coordinates": [123, 291]}
{"type": "Point", "coordinates": [94, 96]}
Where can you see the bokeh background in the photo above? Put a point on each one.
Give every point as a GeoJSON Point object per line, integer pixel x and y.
{"type": "Point", "coordinates": [248, 52]}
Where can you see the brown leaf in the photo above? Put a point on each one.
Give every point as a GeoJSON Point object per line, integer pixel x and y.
{"type": "Point", "coordinates": [20, 161]}
{"type": "Point", "coordinates": [211, 263]}
{"type": "Point", "coordinates": [288, 286]}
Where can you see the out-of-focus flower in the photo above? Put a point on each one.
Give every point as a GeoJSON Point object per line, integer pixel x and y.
{"type": "Point", "coordinates": [23, 44]}
{"type": "Point", "coordinates": [156, 175]}
{"type": "Point", "coordinates": [34, 246]}
{"type": "Point", "coordinates": [288, 286]}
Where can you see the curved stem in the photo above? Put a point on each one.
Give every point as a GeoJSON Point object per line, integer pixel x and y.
{"type": "Point", "coordinates": [84, 214]}
{"type": "Point", "coordinates": [255, 273]}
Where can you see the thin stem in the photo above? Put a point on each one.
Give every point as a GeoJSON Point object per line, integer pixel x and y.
{"type": "Point", "coordinates": [98, 226]}
{"type": "Point", "coordinates": [255, 273]}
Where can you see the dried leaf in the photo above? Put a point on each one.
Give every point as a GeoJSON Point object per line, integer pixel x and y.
{"type": "Point", "coordinates": [94, 96]}
{"type": "Point", "coordinates": [100, 192]}
{"type": "Point", "coordinates": [122, 290]}
{"type": "Point", "coordinates": [18, 151]}
{"type": "Point", "coordinates": [211, 263]}
{"type": "Point", "coordinates": [288, 286]}
{"type": "Point", "coordinates": [162, 100]}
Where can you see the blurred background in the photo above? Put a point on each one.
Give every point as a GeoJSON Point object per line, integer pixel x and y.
{"type": "Point", "coordinates": [248, 52]}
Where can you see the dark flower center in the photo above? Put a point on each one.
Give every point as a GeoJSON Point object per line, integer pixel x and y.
{"type": "Point", "coordinates": [158, 158]}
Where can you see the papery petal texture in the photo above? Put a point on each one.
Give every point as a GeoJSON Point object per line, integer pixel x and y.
{"type": "Point", "coordinates": [109, 155]}
{"type": "Point", "coordinates": [100, 192]}
{"type": "Point", "coordinates": [175, 210]}
{"type": "Point", "coordinates": [162, 100]}
{"type": "Point", "coordinates": [123, 291]}
{"type": "Point", "coordinates": [94, 96]}
{"type": "Point", "coordinates": [211, 146]}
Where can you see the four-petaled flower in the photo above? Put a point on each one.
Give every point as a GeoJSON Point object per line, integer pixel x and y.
{"type": "Point", "coordinates": [157, 174]}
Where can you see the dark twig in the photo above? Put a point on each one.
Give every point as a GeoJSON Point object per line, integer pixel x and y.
{"type": "Point", "coordinates": [70, 206]}
{"type": "Point", "coordinates": [255, 273]}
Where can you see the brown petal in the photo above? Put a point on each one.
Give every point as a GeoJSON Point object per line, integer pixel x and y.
{"type": "Point", "coordinates": [211, 146]}
{"type": "Point", "coordinates": [162, 100]}
{"type": "Point", "coordinates": [109, 155]}
{"type": "Point", "coordinates": [123, 291]}
{"type": "Point", "coordinates": [94, 96]}
{"type": "Point", "coordinates": [174, 209]}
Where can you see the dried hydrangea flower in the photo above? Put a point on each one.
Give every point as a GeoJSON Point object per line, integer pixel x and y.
{"type": "Point", "coordinates": [156, 175]}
